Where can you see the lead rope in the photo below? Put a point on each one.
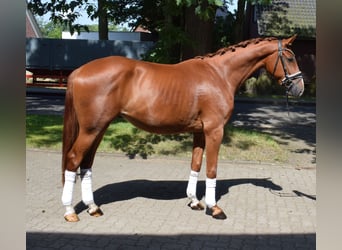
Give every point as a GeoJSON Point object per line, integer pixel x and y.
{"type": "Point", "coordinates": [287, 103]}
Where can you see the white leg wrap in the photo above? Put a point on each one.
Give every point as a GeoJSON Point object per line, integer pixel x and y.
{"type": "Point", "coordinates": [70, 179]}
{"type": "Point", "coordinates": [69, 210]}
{"type": "Point", "coordinates": [86, 186]}
{"type": "Point", "coordinates": [210, 191]}
{"type": "Point", "coordinates": [191, 189]}
{"type": "Point", "coordinates": [92, 208]}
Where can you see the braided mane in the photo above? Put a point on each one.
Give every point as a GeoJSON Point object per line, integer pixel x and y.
{"type": "Point", "coordinates": [232, 48]}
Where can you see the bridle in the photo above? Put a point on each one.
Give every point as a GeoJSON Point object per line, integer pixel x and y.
{"type": "Point", "coordinates": [288, 79]}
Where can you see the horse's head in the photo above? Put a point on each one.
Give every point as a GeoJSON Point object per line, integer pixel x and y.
{"type": "Point", "coordinates": [283, 65]}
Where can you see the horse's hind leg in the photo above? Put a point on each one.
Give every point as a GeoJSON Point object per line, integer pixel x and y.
{"type": "Point", "coordinates": [86, 179]}
{"type": "Point", "coordinates": [80, 153]}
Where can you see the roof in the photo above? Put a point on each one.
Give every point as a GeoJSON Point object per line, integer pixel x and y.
{"type": "Point", "coordinates": [32, 27]}
{"type": "Point", "coordinates": [284, 17]}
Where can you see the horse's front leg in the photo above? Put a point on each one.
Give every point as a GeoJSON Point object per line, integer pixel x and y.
{"type": "Point", "coordinates": [213, 139]}
{"type": "Point", "coordinates": [196, 162]}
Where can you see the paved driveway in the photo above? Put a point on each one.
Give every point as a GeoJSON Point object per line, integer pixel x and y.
{"type": "Point", "coordinates": [145, 207]}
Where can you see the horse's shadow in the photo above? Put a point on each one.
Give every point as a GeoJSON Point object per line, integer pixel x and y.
{"type": "Point", "coordinates": [166, 190]}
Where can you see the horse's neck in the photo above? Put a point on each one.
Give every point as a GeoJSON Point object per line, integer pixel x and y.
{"type": "Point", "coordinates": [237, 66]}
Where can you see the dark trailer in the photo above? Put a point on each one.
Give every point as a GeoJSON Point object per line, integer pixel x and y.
{"type": "Point", "coordinates": [55, 59]}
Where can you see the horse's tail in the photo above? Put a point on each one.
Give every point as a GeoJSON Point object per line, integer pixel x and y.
{"type": "Point", "coordinates": [70, 125]}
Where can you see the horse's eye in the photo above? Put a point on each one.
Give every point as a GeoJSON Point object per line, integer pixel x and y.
{"type": "Point", "coordinates": [290, 59]}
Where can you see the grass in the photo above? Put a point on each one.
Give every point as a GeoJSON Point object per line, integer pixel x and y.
{"type": "Point", "coordinates": [45, 132]}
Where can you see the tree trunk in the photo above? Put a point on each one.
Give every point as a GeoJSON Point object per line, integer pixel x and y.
{"type": "Point", "coordinates": [239, 23]}
{"type": "Point", "coordinates": [103, 20]}
{"type": "Point", "coordinates": [200, 32]}
{"type": "Point", "coordinates": [170, 22]}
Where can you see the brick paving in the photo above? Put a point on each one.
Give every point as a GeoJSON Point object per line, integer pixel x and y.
{"type": "Point", "coordinates": [269, 206]}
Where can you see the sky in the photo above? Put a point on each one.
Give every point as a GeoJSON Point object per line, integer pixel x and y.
{"type": "Point", "coordinates": [85, 20]}
{"type": "Point", "coordinates": [233, 7]}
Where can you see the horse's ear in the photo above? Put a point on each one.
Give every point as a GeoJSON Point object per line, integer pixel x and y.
{"type": "Point", "coordinates": [290, 40]}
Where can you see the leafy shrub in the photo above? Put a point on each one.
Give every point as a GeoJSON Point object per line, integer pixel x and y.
{"type": "Point", "coordinates": [264, 84]}
{"type": "Point", "coordinates": [250, 86]}
{"type": "Point", "coordinates": [310, 88]}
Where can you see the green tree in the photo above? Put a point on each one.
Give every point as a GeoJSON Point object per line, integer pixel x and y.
{"type": "Point", "coordinates": [241, 17]}
{"type": "Point", "coordinates": [192, 20]}
{"type": "Point", "coordinates": [184, 27]}
{"type": "Point", "coordinates": [50, 29]}
{"type": "Point", "coordinates": [223, 31]}
{"type": "Point", "coordinates": [66, 12]}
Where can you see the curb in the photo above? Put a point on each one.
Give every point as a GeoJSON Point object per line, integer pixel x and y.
{"type": "Point", "coordinates": [292, 102]}
{"type": "Point", "coordinates": [45, 91]}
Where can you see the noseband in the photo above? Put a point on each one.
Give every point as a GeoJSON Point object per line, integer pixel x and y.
{"type": "Point", "coordinates": [288, 79]}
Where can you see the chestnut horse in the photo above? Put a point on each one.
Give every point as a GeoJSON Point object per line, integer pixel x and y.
{"type": "Point", "coordinates": [196, 96]}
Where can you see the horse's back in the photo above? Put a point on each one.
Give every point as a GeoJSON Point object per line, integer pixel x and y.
{"type": "Point", "coordinates": [103, 67]}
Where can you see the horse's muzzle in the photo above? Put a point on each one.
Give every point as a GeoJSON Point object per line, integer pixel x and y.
{"type": "Point", "coordinates": [296, 88]}
{"type": "Point", "coordinates": [294, 84]}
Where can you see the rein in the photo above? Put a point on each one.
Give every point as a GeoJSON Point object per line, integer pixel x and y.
{"type": "Point", "coordinates": [288, 79]}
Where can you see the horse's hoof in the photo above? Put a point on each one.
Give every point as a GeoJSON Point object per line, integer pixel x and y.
{"type": "Point", "coordinates": [198, 206]}
{"type": "Point", "coordinates": [217, 213]}
{"type": "Point", "coordinates": [71, 217]}
{"type": "Point", "coordinates": [96, 213]}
